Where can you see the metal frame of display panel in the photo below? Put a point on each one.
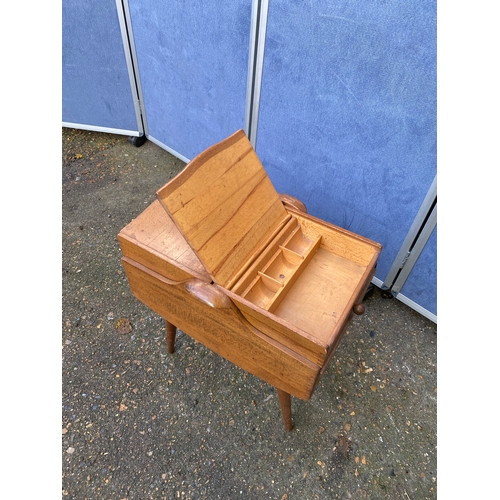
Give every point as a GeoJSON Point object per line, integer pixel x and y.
{"type": "Point", "coordinates": [420, 231]}
{"type": "Point", "coordinates": [255, 66]}
{"type": "Point", "coordinates": [402, 284]}
{"type": "Point", "coordinates": [133, 67]}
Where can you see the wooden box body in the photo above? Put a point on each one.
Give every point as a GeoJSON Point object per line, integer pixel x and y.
{"type": "Point", "coordinates": [227, 260]}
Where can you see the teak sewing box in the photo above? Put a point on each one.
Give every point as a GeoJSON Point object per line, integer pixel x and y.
{"type": "Point", "coordinates": [247, 272]}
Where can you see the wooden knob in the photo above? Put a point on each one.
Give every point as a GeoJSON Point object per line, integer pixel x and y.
{"type": "Point", "coordinates": [293, 202]}
{"type": "Point", "coordinates": [208, 294]}
{"type": "Point", "coordinates": [358, 309]}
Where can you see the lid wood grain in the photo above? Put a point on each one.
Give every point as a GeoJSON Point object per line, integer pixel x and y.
{"type": "Point", "coordinates": [225, 205]}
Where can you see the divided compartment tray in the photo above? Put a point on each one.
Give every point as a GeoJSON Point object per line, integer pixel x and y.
{"type": "Point", "coordinates": [268, 280]}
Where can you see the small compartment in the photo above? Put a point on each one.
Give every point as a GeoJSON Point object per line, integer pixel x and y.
{"type": "Point", "coordinates": [298, 243]}
{"type": "Point", "coordinates": [280, 268]}
{"type": "Point", "coordinates": [260, 294]}
{"type": "Point", "coordinates": [275, 278]}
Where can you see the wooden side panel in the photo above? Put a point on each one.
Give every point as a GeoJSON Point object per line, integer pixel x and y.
{"type": "Point", "coordinates": [225, 205]}
{"type": "Point", "coordinates": [225, 331]}
{"type": "Point", "coordinates": [158, 262]}
{"type": "Point", "coordinates": [152, 239]}
{"type": "Point", "coordinates": [282, 331]}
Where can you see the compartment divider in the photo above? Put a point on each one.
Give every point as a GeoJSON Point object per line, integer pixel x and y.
{"type": "Point", "coordinates": [266, 255]}
{"type": "Point", "coordinates": [272, 275]}
{"type": "Point", "coordinates": [271, 283]}
{"type": "Point", "coordinates": [292, 257]}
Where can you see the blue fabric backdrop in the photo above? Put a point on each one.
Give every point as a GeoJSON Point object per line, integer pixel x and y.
{"type": "Point", "coordinates": [193, 64]}
{"type": "Point", "coordinates": [96, 88]}
{"type": "Point", "coordinates": [348, 112]}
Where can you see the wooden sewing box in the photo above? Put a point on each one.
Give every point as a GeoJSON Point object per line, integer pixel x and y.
{"type": "Point", "coordinates": [247, 272]}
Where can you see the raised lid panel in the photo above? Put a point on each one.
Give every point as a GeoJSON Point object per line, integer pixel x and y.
{"type": "Point", "coordinates": [225, 205]}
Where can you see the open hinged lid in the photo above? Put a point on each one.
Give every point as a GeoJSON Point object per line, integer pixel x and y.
{"type": "Point", "coordinates": [225, 205]}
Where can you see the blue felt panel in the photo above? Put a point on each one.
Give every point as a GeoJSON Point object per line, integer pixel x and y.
{"type": "Point", "coordinates": [348, 111]}
{"type": "Point", "coordinates": [193, 64]}
{"type": "Point", "coordinates": [96, 88]}
{"type": "Point", "coordinates": [424, 291]}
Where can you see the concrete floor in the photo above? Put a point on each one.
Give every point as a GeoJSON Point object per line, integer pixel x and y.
{"type": "Point", "coordinates": [139, 423]}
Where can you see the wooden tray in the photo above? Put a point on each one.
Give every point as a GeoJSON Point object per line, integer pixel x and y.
{"type": "Point", "coordinates": [222, 255]}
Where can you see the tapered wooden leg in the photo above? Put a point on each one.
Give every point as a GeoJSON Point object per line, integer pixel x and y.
{"type": "Point", "coordinates": [171, 331]}
{"type": "Point", "coordinates": [286, 409]}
